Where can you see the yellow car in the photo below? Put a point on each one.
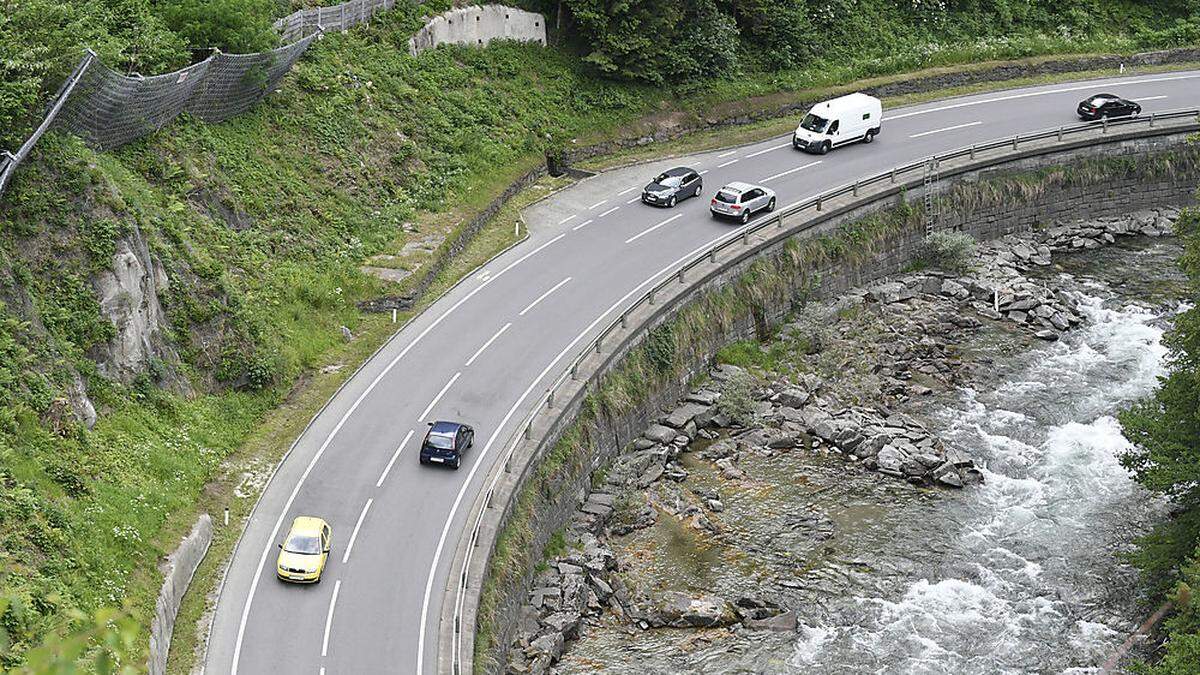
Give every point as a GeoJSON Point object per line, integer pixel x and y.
{"type": "Point", "coordinates": [303, 553]}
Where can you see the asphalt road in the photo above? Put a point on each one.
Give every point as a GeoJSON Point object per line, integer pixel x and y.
{"type": "Point", "coordinates": [484, 353]}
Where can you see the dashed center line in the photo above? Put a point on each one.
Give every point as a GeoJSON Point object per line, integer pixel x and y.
{"type": "Point", "coordinates": [956, 126]}
{"type": "Point", "coordinates": [726, 154]}
{"type": "Point", "coordinates": [354, 534]}
{"type": "Point", "coordinates": [651, 229]}
{"type": "Point", "coordinates": [387, 469]}
{"type": "Point", "coordinates": [337, 586]}
{"type": "Point", "coordinates": [763, 152]}
{"type": "Point", "coordinates": [704, 172]}
{"type": "Point", "coordinates": [608, 212]}
{"type": "Point", "coordinates": [543, 296]}
{"type": "Point", "coordinates": [722, 166]}
{"type": "Point", "coordinates": [437, 398]}
{"type": "Point", "coordinates": [583, 225]}
{"type": "Point", "coordinates": [489, 342]}
{"type": "Point", "coordinates": [1152, 98]}
{"type": "Point", "coordinates": [602, 202]}
{"type": "Point", "coordinates": [566, 220]}
{"type": "Point", "coordinates": [638, 198]}
{"type": "Point", "coordinates": [781, 174]}
{"type": "Point", "coordinates": [628, 190]}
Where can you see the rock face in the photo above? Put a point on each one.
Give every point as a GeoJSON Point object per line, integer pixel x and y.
{"type": "Point", "coordinates": [128, 293]}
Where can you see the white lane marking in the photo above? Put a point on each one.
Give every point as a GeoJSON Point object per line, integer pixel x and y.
{"type": "Point", "coordinates": [763, 152]}
{"type": "Point", "coordinates": [354, 534]}
{"type": "Point", "coordinates": [582, 225]}
{"type": "Point", "coordinates": [488, 343]}
{"type": "Point", "coordinates": [337, 586]}
{"type": "Point", "coordinates": [726, 154]}
{"type": "Point", "coordinates": [648, 231]}
{"type": "Point", "coordinates": [387, 469]}
{"type": "Point", "coordinates": [237, 647]}
{"type": "Point", "coordinates": [566, 220]}
{"type": "Point", "coordinates": [635, 199]}
{"type": "Point", "coordinates": [1030, 94]}
{"type": "Point", "coordinates": [437, 554]}
{"type": "Point", "coordinates": [543, 296]}
{"type": "Point", "coordinates": [628, 190]}
{"type": "Point", "coordinates": [602, 202]}
{"type": "Point", "coordinates": [781, 174]}
{"type": "Point", "coordinates": [437, 398]}
{"type": "Point", "coordinates": [704, 172]}
{"type": "Point", "coordinates": [952, 128]}
{"type": "Point", "coordinates": [608, 212]}
{"type": "Point", "coordinates": [722, 166]}
{"type": "Point", "coordinates": [1151, 98]}
{"type": "Point", "coordinates": [483, 276]}
{"type": "Point", "coordinates": [322, 670]}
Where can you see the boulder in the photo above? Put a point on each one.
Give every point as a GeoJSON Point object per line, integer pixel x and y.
{"type": "Point", "coordinates": [890, 460]}
{"type": "Point", "coordinates": [793, 397]}
{"type": "Point", "coordinates": [550, 645]}
{"type": "Point", "coordinates": [782, 622]}
{"type": "Point", "coordinates": [679, 610]}
{"type": "Point", "coordinates": [729, 470]}
{"type": "Point", "coordinates": [685, 413]}
{"type": "Point", "coordinates": [660, 434]}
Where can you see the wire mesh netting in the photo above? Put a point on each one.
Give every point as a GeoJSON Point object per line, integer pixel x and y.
{"type": "Point", "coordinates": [108, 109]}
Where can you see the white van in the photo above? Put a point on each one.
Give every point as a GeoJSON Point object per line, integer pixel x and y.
{"type": "Point", "coordinates": [846, 119]}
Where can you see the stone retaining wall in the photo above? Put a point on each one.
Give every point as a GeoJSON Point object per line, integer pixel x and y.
{"type": "Point", "coordinates": [1115, 193]}
{"type": "Point", "coordinates": [479, 25]}
{"type": "Point", "coordinates": [177, 572]}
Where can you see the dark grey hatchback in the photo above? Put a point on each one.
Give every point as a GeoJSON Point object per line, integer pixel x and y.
{"type": "Point", "coordinates": [673, 186]}
{"type": "Point", "coordinates": [446, 442]}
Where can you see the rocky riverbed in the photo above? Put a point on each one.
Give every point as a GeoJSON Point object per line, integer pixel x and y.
{"type": "Point", "coordinates": [920, 476]}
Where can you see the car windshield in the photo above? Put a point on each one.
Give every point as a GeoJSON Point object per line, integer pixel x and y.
{"type": "Point", "coordinates": [814, 123]}
{"type": "Point", "coordinates": [726, 197]}
{"type": "Point", "coordinates": [1098, 101]}
{"type": "Point", "coordinates": [303, 543]}
{"type": "Point", "coordinates": [669, 181]}
{"type": "Point", "coordinates": [440, 441]}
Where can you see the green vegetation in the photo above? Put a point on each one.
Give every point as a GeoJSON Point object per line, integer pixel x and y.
{"type": "Point", "coordinates": [260, 224]}
{"type": "Point", "coordinates": [950, 251]}
{"type": "Point", "coordinates": [1165, 459]}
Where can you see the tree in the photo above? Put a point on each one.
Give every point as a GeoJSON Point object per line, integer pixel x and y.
{"type": "Point", "coordinates": [233, 26]}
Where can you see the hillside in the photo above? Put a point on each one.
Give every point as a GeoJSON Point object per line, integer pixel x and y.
{"type": "Point", "coordinates": [158, 301]}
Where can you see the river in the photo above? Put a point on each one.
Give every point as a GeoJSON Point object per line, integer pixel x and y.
{"type": "Point", "coordinates": [1020, 574]}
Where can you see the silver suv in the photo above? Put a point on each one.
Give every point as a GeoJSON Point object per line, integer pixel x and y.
{"type": "Point", "coordinates": [742, 200]}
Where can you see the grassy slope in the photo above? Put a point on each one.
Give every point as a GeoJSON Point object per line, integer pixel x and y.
{"type": "Point", "coordinates": [326, 172]}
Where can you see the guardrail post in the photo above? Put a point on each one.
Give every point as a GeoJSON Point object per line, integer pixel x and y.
{"type": "Point", "coordinates": [651, 297]}
{"type": "Point", "coordinates": [624, 320]}
{"type": "Point", "coordinates": [491, 493]}
{"type": "Point", "coordinates": [599, 344]}
{"type": "Point", "coordinates": [1060, 134]}
{"type": "Point", "coordinates": [893, 175]}
{"type": "Point", "coordinates": [779, 222]}
{"type": "Point", "coordinates": [818, 203]}
{"type": "Point", "coordinates": [855, 188]}
{"type": "Point", "coordinates": [528, 430]}
{"type": "Point", "coordinates": [681, 276]}
{"type": "Point", "coordinates": [972, 152]}
{"type": "Point", "coordinates": [712, 256]}
{"type": "Point", "coordinates": [1016, 140]}
{"type": "Point", "coordinates": [745, 238]}
{"type": "Point", "coordinates": [1151, 120]}
{"type": "Point", "coordinates": [457, 625]}
{"type": "Point", "coordinates": [550, 399]}
{"type": "Point", "coordinates": [575, 371]}
{"type": "Point", "coordinates": [1105, 121]}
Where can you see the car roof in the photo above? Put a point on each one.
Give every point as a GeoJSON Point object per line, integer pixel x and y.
{"type": "Point", "coordinates": [1111, 97]}
{"type": "Point", "coordinates": [445, 427]}
{"type": "Point", "coordinates": [677, 171]}
{"type": "Point", "coordinates": [307, 524]}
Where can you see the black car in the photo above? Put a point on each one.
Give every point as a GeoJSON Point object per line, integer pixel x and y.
{"type": "Point", "coordinates": [446, 442]}
{"type": "Point", "coordinates": [672, 187]}
{"type": "Point", "coordinates": [1101, 106]}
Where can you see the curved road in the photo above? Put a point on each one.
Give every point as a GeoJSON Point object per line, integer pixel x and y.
{"type": "Point", "coordinates": [483, 353]}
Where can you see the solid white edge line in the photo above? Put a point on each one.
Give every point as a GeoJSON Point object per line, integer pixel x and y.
{"type": "Point", "coordinates": [602, 202]}
{"type": "Point", "coordinates": [437, 555]}
{"type": "Point", "coordinates": [387, 469]}
{"type": "Point", "coordinates": [543, 296]}
{"type": "Point", "coordinates": [628, 190]}
{"type": "Point", "coordinates": [763, 152]}
{"type": "Point", "coordinates": [643, 233]}
{"type": "Point", "coordinates": [1062, 90]}
{"type": "Point", "coordinates": [582, 225]}
{"type": "Point", "coordinates": [609, 211]}
{"type": "Point", "coordinates": [488, 343]}
{"type": "Point", "coordinates": [566, 220]}
{"type": "Point", "coordinates": [262, 561]}
{"type": "Point", "coordinates": [781, 174]}
{"type": "Point", "coordinates": [440, 394]}
{"type": "Point", "coordinates": [950, 128]}
{"type": "Point", "coordinates": [722, 166]}
{"type": "Point", "coordinates": [337, 586]}
{"type": "Point", "coordinates": [354, 534]}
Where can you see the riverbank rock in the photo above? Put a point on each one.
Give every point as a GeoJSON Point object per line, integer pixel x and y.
{"type": "Point", "coordinates": [673, 609]}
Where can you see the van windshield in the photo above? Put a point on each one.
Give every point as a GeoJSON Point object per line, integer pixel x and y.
{"type": "Point", "coordinates": [814, 123]}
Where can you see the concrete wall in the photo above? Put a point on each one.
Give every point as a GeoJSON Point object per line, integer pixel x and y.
{"type": "Point", "coordinates": [177, 572]}
{"type": "Point", "coordinates": [558, 497]}
{"type": "Point", "coordinates": [479, 25]}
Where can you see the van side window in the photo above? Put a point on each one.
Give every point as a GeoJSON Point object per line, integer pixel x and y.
{"type": "Point", "coordinates": [866, 116]}
{"type": "Point", "coordinates": [834, 127]}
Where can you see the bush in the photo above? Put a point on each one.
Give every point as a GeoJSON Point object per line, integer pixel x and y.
{"type": "Point", "coordinates": [233, 26]}
{"type": "Point", "coordinates": [737, 398]}
{"type": "Point", "coordinates": [949, 250]}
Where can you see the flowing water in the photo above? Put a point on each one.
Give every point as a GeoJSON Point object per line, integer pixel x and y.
{"type": "Point", "coordinates": [1021, 574]}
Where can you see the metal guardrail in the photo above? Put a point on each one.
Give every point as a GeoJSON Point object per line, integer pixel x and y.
{"type": "Point", "coordinates": [817, 203]}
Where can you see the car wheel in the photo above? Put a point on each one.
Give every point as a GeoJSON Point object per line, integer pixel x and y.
{"type": "Point", "coordinates": [697, 192]}
{"type": "Point", "coordinates": [771, 205]}
{"type": "Point", "coordinates": [824, 148]}
{"type": "Point", "coordinates": [457, 463]}
{"type": "Point", "coordinates": [671, 204]}
{"type": "Point", "coordinates": [746, 217]}
{"type": "Point", "coordinates": [869, 137]}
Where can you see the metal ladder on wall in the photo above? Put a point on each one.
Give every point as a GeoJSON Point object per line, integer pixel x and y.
{"type": "Point", "coordinates": [932, 203]}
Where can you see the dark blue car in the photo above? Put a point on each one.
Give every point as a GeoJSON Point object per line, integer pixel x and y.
{"type": "Point", "coordinates": [446, 442]}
